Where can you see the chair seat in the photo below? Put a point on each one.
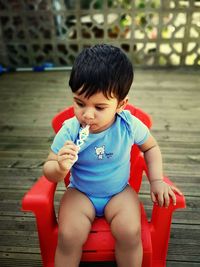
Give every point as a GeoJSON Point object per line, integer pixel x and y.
{"type": "Point", "coordinates": [101, 244]}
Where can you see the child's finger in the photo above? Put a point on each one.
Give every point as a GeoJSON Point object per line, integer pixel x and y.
{"type": "Point", "coordinates": [67, 150]}
{"type": "Point", "coordinates": [71, 145]}
{"type": "Point", "coordinates": [175, 189]}
{"type": "Point", "coordinates": [166, 199]}
{"type": "Point", "coordinates": [69, 142]}
{"type": "Point", "coordinates": [66, 157]}
{"type": "Point", "coordinates": [160, 200]}
{"type": "Point", "coordinates": [173, 196]}
{"type": "Point", "coordinates": [153, 197]}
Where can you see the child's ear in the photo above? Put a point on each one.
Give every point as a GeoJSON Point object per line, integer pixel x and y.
{"type": "Point", "coordinates": [122, 104]}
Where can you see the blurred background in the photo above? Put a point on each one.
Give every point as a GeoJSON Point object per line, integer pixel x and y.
{"type": "Point", "coordinates": [153, 32]}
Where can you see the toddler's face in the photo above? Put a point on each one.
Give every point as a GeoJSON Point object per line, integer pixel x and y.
{"type": "Point", "coordinates": [97, 111]}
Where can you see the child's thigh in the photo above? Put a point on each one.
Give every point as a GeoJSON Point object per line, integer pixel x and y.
{"type": "Point", "coordinates": [76, 211]}
{"type": "Point", "coordinates": [124, 208]}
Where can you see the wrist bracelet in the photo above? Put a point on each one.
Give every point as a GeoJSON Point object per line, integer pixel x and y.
{"type": "Point", "coordinates": [157, 180]}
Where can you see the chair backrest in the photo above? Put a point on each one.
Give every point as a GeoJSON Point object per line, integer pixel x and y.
{"type": "Point", "coordinates": [136, 158]}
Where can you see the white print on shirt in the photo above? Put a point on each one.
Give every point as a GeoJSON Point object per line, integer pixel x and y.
{"type": "Point", "coordinates": [100, 151]}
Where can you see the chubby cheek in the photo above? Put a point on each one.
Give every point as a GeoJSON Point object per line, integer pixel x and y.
{"type": "Point", "coordinates": [77, 113]}
{"type": "Point", "coordinates": [105, 118]}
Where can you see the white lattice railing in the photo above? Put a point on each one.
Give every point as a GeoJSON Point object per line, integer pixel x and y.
{"type": "Point", "coordinates": [152, 32]}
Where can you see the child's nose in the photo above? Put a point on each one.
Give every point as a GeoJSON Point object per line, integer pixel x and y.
{"type": "Point", "coordinates": [88, 114]}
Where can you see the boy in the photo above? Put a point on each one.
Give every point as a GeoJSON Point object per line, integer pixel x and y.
{"type": "Point", "coordinates": [100, 81]}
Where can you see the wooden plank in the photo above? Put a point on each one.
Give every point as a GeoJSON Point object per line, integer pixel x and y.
{"type": "Point", "coordinates": [29, 101]}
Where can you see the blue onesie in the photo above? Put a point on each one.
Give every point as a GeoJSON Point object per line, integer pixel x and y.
{"type": "Point", "coordinates": [103, 165]}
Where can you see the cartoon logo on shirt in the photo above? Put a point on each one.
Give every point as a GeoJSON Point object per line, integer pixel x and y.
{"type": "Point", "coordinates": [100, 151]}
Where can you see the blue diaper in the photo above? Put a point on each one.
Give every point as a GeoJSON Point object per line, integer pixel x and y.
{"type": "Point", "coordinates": [99, 203]}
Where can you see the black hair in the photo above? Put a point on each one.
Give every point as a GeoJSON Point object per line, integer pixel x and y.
{"type": "Point", "coordinates": [102, 68]}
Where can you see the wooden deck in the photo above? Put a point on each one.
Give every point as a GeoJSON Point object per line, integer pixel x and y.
{"type": "Point", "coordinates": [29, 101]}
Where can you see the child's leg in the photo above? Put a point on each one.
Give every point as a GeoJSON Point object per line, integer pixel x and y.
{"type": "Point", "coordinates": [123, 214]}
{"type": "Point", "coordinates": [76, 215]}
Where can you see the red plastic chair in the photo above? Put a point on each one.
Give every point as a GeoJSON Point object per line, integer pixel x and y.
{"type": "Point", "coordinates": [100, 244]}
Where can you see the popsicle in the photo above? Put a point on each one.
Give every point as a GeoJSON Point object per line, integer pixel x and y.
{"type": "Point", "coordinates": [83, 135]}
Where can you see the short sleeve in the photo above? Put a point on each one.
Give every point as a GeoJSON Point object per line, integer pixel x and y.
{"type": "Point", "coordinates": [140, 131]}
{"type": "Point", "coordinates": [68, 132]}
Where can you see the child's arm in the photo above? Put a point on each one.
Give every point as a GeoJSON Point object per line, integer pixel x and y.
{"type": "Point", "coordinates": [160, 191]}
{"type": "Point", "coordinates": [58, 165]}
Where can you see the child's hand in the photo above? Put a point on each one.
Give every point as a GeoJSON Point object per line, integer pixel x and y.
{"type": "Point", "coordinates": [161, 192]}
{"type": "Point", "coordinates": [67, 155]}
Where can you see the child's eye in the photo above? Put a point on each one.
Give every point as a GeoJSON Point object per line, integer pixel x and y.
{"type": "Point", "coordinates": [100, 108]}
{"type": "Point", "coordinates": [80, 104]}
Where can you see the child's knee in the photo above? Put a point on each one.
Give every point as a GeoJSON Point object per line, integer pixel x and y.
{"type": "Point", "coordinates": [70, 238]}
{"type": "Point", "coordinates": [129, 235]}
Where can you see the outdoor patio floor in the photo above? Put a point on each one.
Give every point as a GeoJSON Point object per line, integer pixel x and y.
{"type": "Point", "coordinates": [28, 102]}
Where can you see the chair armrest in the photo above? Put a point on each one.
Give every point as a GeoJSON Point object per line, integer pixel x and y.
{"type": "Point", "coordinates": [40, 200]}
{"type": "Point", "coordinates": [41, 193]}
{"type": "Point", "coordinates": [160, 224]}
{"type": "Point", "coordinates": [160, 215]}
